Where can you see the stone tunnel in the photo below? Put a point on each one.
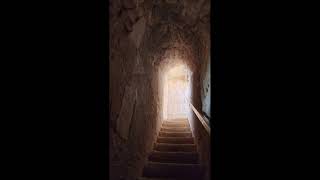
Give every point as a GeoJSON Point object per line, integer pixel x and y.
{"type": "Point", "coordinates": [149, 38]}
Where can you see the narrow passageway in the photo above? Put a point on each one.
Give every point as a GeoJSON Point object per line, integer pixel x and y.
{"type": "Point", "coordinates": [159, 58]}
{"type": "Point", "coordinates": [174, 153]}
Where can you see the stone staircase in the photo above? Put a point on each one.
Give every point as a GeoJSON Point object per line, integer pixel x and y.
{"type": "Point", "coordinates": [174, 155]}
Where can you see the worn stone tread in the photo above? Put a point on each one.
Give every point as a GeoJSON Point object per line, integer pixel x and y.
{"type": "Point", "coordinates": [176, 129]}
{"type": "Point", "coordinates": [176, 140]}
{"type": "Point", "coordinates": [175, 125]}
{"type": "Point", "coordinates": [174, 157]}
{"type": "Point", "coordinates": [175, 147]}
{"type": "Point", "coordinates": [173, 170]}
{"type": "Point", "coordinates": [175, 134]}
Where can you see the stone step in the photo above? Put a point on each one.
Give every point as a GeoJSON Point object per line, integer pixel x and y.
{"type": "Point", "coordinates": [172, 170]}
{"type": "Point", "coordinates": [175, 122]}
{"type": "Point", "coordinates": [173, 125]}
{"type": "Point", "coordinates": [175, 134]}
{"type": "Point", "coordinates": [176, 129]}
{"type": "Point", "coordinates": [174, 157]}
{"type": "Point", "coordinates": [175, 140]}
{"type": "Point", "coordinates": [145, 178]}
{"type": "Point", "coordinates": [165, 147]}
{"type": "Point", "coordinates": [177, 119]}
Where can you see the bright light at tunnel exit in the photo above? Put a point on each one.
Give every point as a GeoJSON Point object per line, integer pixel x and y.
{"type": "Point", "coordinates": [176, 90]}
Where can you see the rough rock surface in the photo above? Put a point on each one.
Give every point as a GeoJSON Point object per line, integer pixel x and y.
{"type": "Point", "coordinates": [148, 37]}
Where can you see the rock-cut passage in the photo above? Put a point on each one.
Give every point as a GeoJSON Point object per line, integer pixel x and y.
{"type": "Point", "coordinates": [174, 155]}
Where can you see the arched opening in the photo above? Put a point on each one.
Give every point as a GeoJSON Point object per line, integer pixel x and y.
{"type": "Point", "coordinates": [176, 88]}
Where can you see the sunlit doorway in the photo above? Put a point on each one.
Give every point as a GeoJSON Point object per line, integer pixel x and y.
{"type": "Point", "coordinates": [176, 90]}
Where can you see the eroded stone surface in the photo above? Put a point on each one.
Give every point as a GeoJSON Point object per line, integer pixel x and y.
{"type": "Point", "coordinates": [138, 32]}
{"type": "Point", "coordinates": [127, 108]}
{"type": "Point", "coordinates": [129, 4]}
